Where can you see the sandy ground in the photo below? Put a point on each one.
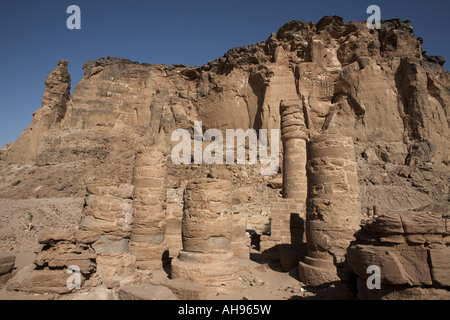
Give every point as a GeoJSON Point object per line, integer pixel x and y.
{"type": "Point", "coordinates": [22, 220]}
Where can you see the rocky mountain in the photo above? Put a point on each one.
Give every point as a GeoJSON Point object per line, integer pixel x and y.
{"type": "Point", "coordinates": [376, 86]}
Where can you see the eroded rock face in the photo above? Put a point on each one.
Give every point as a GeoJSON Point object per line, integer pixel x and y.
{"type": "Point", "coordinates": [411, 250]}
{"type": "Point", "coordinates": [7, 261]}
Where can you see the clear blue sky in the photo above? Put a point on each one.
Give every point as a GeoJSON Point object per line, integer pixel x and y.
{"type": "Point", "coordinates": [33, 36]}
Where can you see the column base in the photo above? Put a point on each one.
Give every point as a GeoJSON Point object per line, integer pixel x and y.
{"type": "Point", "coordinates": [316, 272]}
{"type": "Point", "coordinates": [209, 269]}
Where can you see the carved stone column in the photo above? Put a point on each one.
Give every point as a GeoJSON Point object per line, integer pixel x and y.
{"type": "Point", "coordinates": [147, 239]}
{"type": "Point", "coordinates": [207, 257]}
{"type": "Point", "coordinates": [333, 207]}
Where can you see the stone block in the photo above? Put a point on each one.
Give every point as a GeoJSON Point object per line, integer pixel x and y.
{"type": "Point", "coordinates": [53, 236]}
{"type": "Point", "coordinates": [440, 266]}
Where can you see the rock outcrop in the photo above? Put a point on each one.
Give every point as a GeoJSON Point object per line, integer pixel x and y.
{"type": "Point", "coordinates": [334, 208]}
{"type": "Point", "coordinates": [411, 250]}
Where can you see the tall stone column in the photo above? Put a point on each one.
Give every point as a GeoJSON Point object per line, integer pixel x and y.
{"type": "Point", "coordinates": [207, 231]}
{"type": "Point", "coordinates": [147, 240]}
{"type": "Point", "coordinates": [333, 207]}
{"type": "Point", "coordinates": [294, 135]}
{"type": "Point", "coordinates": [285, 214]}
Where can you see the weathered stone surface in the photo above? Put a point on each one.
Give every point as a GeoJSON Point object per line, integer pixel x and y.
{"type": "Point", "coordinates": [317, 275]}
{"type": "Point", "coordinates": [207, 220]}
{"type": "Point", "coordinates": [52, 236]}
{"type": "Point", "coordinates": [107, 210]}
{"type": "Point", "coordinates": [147, 240]}
{"type": "Point", "coordinates": [110, 245]}
{"type": "Point", "coordinates": [240, 242]}
{"type": "Point", "coordinates": [146, 293]}
{"type": "Point", "coordinates": [118, 227]}
{"type": "Point", "coordinates": [41, 281]}
{"type": "Point", "coordinates": [423, 223]}
{"type": "Point", "coordinates": [24, 259]}
{"type": "Point", "coordinates": [123, 191]}
{"type": "Point", "coordinates": [386, 224]}
{"type": "Point", "coordinates": [402, 265]}
{"type": "Point", "coordinates": [294, 135]}
{"type": "Point", "coordinates": [206, 269]}
{"type": "Point", "coordinates": [334, 205]}
{"type": "Point", "coordinates": [187, 290]}
{"type": "Point", "coordinates": [7, 261]}
{"type": "Point", "coordinates": [116, 266]}
{"type": "Point", "coordinates": [64, 255]}
{"type": "Point", "coordinates": [86, 237]}
{"type": "Point", "coordinates": [409, 248]}
{"type": "Point", "coordinates": [440, 262]}
{"type": "Point", "coordinates": [207, 228]}
{"type": "Point", "coordinates": [149, 251]}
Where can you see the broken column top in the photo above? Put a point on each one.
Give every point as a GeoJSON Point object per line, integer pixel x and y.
{"type": "Point", "coordinates": [292, 120]}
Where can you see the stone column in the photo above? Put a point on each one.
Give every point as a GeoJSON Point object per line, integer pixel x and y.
{"type": "Point", "coordinates": [333, 208]}
{"type": "Point", "coordinates": [207, 224]}
{"type": "Point", "coordinates": [106, 227]}
{"type": "Point", "coordinates": [294, 135]}
{"type": "Point", "coordinates": [147, 240]}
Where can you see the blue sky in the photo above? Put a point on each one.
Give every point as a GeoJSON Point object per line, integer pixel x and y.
{"type": "Point", "coordinates": [34, 36]}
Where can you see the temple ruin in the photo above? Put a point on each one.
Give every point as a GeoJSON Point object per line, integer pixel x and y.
{"type": "Point", "coordinates": [364, 177]}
